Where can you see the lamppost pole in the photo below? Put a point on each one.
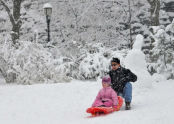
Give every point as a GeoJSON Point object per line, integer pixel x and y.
{"type": "Point", "coordinates": [48, 28]}
{"type": "Point", "coordinates": [48, 11]}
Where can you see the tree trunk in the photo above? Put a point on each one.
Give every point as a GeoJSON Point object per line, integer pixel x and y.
{"type": "Point", "coordinates": [16, 25]}
{"type": "Point", "coordinates": [130, 26]}
{"type": "Point", "coordinates": [154, 10]}
{"type": "Point", "coordinates": [14, 18]}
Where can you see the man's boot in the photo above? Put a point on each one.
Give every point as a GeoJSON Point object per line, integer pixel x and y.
{"type": "Point", "coordinates": [127, 107]}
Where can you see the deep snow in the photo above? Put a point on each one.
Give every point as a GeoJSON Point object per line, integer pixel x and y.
{"type": "Point", "coordinates": [66, 103]}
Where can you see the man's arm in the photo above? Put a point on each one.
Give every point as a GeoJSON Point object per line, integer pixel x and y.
{"type": "Point", "coordinates": [131, 77]}
{"type": "Point", "coordinates": [128, 76]}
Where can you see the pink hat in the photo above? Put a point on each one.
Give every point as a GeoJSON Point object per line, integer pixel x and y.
{"type": "Point", "coordinates": [106, 79]}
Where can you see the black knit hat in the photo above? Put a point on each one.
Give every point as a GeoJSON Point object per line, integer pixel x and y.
{"type": "Point", "coordinates": [115, 60]}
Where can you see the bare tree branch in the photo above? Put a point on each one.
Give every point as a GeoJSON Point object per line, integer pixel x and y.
{"type": "Point", "coordinates": [8, 11]}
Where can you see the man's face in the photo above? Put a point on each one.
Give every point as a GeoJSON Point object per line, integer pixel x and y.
{"type": "Point", "coordinates": [115, 65]}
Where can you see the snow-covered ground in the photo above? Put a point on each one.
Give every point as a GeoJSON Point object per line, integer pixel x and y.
{"type": "Point", "coordinates": [66, 103]}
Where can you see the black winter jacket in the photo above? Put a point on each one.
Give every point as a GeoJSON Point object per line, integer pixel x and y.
{"type": "Point", "coordinates": [120, 77]}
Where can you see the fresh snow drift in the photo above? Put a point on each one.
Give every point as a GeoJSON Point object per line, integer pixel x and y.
{"type": "Point", "coordinates": [67, 104]}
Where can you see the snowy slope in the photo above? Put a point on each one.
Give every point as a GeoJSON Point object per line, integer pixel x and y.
{"type": "Point", "coordinates": [66, 104]}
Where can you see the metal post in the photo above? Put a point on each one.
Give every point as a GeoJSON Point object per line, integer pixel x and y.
{"type": "Point", "coordinates": [48, 27]}
{"type": "Point", "coordinates": [48, 11]}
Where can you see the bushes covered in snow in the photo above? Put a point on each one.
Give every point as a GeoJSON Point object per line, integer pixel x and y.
{"type": "Point", "coordinates": [33, 63]}
{"type": "Point", "coordinates": [163, 51]}
{"type": "Point", "coordinates": [96, 62]}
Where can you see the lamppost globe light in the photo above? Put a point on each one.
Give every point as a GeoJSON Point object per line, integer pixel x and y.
{"type": "Point", "coordinates": [47, 9]}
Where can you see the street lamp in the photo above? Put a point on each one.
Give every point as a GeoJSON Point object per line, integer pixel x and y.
{"type": "Point", "coordinates": [48, 11]}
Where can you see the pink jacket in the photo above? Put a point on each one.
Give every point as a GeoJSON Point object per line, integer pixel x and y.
{"type": "Point", "coordinates": [107, 97]}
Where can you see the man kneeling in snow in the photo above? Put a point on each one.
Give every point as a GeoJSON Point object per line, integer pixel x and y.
{"type": "Point", "coordinates": [120, 81]}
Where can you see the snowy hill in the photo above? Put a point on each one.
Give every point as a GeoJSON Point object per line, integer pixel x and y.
{"type": "Point", "coordinates": [67, 103]}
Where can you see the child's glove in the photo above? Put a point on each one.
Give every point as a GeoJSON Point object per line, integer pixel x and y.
{"type": "Point", "coordinates": [115, 108]}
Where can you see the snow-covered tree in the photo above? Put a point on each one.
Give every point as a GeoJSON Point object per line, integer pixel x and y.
{"type": "Point", "coordinates": [91, 21]}
{"type": "Point", "coordinates": [163, 57]}
{"type": "Point", "coordinates": [154, 10]}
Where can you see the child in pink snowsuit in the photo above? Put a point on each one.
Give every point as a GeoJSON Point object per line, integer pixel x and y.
{"type": "Point", "coordinates": [106, 97]}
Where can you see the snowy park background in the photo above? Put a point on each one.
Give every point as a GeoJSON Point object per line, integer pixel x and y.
{"type": "Point", "coordinates": [56, 82]}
